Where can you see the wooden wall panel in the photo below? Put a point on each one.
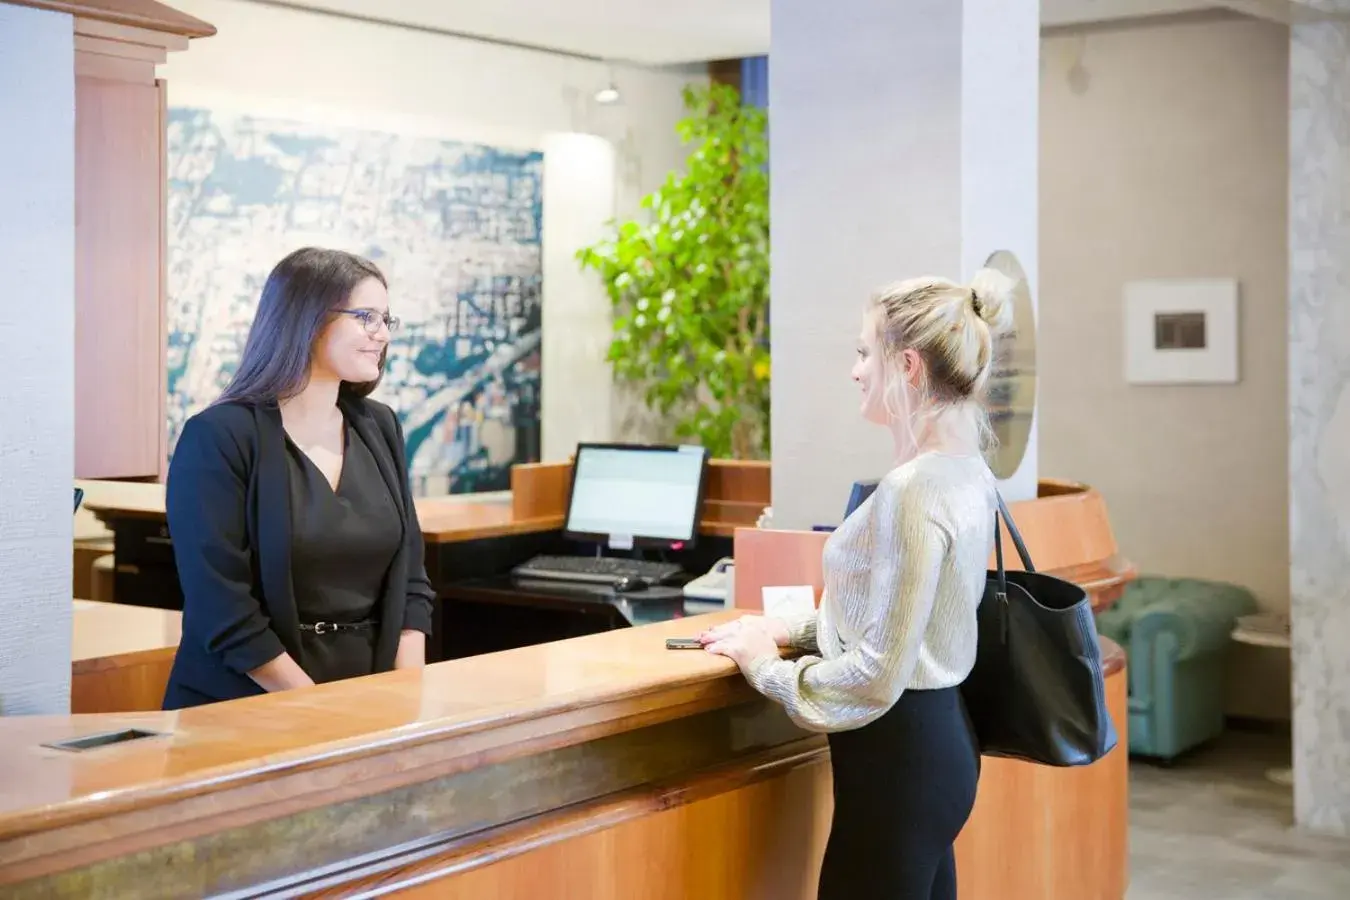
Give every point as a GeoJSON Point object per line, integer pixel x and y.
{"type": "Point", "coordinates": [130, 682]}
{"type": "Point", "coordinates": [539, 490]}
{"type": "Point", "coordinates": [1067, 532]}
{"type": "Point", "coordinates": [776, 557]}
{"type": "Point", "coordinates": [1042, 833]}
{"type": "Point", "coordinates": [121, 656]}
{"type": "Point", "coordinates": [763, 841]}
{"type": "Point", "coordinates": [739, 481]}
{"type": "Point", "coordinates": [118, 235]}
{"type": "Point", "coordinates": [1037, 833]}
{"type": "Point", "coordinates": [735, 494]}
{"type": "Point", "coordinates": [162, 296]}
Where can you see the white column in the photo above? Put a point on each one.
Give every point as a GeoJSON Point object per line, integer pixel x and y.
{"type": "Point", "coordinates": [1319, 420]}
{"type": "Point", "coordinates": [904, 143]}
{"type": "Point", "coordinates": [579, 188]}
{"type": "Point", "coordinates": [37, 440]}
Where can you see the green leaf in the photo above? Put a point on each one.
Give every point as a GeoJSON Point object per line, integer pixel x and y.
{"type": "Point", "coordinates": [689, 282]}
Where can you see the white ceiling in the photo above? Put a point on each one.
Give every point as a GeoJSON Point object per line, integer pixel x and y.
{"type": "Point", "coordinates": [653, 32]}
{"type": "Point", "coordinates": [657, 32]}
{"type": "Point", "coordinates": [1079, 12]}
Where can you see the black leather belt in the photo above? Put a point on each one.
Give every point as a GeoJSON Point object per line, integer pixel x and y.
{"type": "Point", "coordinates": [327, 627]}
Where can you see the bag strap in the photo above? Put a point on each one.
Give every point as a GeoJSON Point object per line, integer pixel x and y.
{"type": "Point", "coordinates": [1016, 539]}
{"type": "Point", "coordinates": [1002, 595]}
{"type": "Point", "coordinates": [998, 557]}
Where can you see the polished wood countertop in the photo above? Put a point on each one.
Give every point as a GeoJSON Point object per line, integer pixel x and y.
{"type": "Point", "coordinates": [446, 521]}
{"type": "Point", "coordinates": [459, 712]}
{"type": "Point", "coordinates": [103, 630]}
{"type": "Point", "coordinates": [443, 519]}
{"type": "Point", "coordinates": [228, 767]}
{"type": "Point", "coordinates": [313, 745]}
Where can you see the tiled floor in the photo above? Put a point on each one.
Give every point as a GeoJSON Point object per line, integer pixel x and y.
{"type": "Point", "coordinates": [1212, 827]}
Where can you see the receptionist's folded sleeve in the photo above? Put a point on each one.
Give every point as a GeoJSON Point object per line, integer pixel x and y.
{"type": "Point", "coordinates": [206, 502]}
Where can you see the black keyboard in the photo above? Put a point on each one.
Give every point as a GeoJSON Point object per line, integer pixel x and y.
{"type": "Point", "coordinates": [596, 569]}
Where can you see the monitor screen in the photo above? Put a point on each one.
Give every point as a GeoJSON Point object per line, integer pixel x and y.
{"type": "Point", "coordinates": [634, 495]}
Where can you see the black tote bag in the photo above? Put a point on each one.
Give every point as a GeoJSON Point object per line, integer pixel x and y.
{"type": "Point", "coordinates": [1037, 692]}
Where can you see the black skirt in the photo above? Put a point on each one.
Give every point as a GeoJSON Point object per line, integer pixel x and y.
{"type": "Point", "coordinates": [904, 786]}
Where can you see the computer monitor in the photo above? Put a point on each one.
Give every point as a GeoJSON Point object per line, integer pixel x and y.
{"type": "Point", "coordinates": [636, 495]}
{"type": "Point", "coordinates": [858, 496]}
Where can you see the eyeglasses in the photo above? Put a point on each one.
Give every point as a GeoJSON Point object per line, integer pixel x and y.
{"type": "Point", "coordinates": [371, 319]}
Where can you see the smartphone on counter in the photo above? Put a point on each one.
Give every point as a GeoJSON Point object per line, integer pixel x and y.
{"type": "Point", "coordinates": [683, 644]}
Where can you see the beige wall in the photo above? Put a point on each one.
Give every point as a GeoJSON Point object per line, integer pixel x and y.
{"type": "Point", "coordinates": [1170, 159]}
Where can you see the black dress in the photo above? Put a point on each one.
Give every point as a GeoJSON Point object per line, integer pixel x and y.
{"type": "Point", "coordinates": [342, 545]}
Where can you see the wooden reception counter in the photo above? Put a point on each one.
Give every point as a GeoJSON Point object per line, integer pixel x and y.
{"type": "Point", "coordinates": [1066, 527]}
{"type": "Point", "coordinates": [120, 656]}
{"type": "Point", "coordinates": [605, 766]}
{"type": "Point", "coordinates": [466, 539]}
{"type": "Point", "coordinates": [600, 767]}
{"type": "Point", "coordinates": [735, 494]}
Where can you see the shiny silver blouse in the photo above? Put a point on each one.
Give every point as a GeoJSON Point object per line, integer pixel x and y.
{"type": "Point", "coordinates": [904, 575]}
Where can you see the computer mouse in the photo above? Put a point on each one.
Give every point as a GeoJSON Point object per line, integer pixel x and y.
{"type": "Point", "coordinates": [628, 585]}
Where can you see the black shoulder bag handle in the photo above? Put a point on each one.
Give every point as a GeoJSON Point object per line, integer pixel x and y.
{"type": "Point", "coordinates": [1037, 691]}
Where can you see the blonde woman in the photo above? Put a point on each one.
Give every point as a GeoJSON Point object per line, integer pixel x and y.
{"type": "Point", "coordinates": [895, 634]}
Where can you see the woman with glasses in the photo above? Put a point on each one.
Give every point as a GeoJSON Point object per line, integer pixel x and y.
{"type": "Point", "coordinates": [293, 527]}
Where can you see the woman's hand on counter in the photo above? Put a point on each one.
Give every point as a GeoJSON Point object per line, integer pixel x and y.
{"type": "Point", "coordinates": [776, 629]}
{"type": "Point", "coordinates": [746, 639]}
{"type": "Point", "coordinates": [281, 673]}
{"type": "Point", "coordinates": [412, 650]}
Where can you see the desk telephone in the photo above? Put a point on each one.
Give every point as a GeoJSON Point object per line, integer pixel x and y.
{"type": "Point", "coordinates": [715, 584]}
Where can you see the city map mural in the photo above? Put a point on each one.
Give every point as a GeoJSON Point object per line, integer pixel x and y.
{"type": "Point", "coordinates": [454, 226]}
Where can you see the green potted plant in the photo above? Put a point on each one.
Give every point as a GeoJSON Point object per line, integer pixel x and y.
{"type": "Point", "coordinates": [690, 284]}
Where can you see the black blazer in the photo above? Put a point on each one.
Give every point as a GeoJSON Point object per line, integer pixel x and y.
{"type": "Point", "coordinates": [229, 517]}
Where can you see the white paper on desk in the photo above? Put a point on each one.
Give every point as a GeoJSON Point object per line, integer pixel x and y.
{"type": "Point", "coordinates": [783, 602]}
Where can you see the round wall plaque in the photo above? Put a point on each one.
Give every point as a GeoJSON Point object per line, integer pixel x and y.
{"type": "Point", "coordinates": [1011, 397]}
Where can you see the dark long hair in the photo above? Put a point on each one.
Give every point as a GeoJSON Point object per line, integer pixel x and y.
{"type": "Point", "coordinates": [297, 302]}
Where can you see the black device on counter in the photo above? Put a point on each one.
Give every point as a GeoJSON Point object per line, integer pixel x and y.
{"type": "Point", "coordinates": [683, 644]}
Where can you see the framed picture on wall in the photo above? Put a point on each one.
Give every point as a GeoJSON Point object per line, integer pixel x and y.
{"type": "Point", "coordinates": [454, 223]}
{"type": "Point", "coordinates": [1181, 331]}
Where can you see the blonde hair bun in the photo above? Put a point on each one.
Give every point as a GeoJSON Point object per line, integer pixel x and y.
{"type": "Point", "coordinates": [993, 294]}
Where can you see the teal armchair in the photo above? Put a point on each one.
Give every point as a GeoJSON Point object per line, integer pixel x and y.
{"type": "Point", "coordinates": [1176, 633]}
